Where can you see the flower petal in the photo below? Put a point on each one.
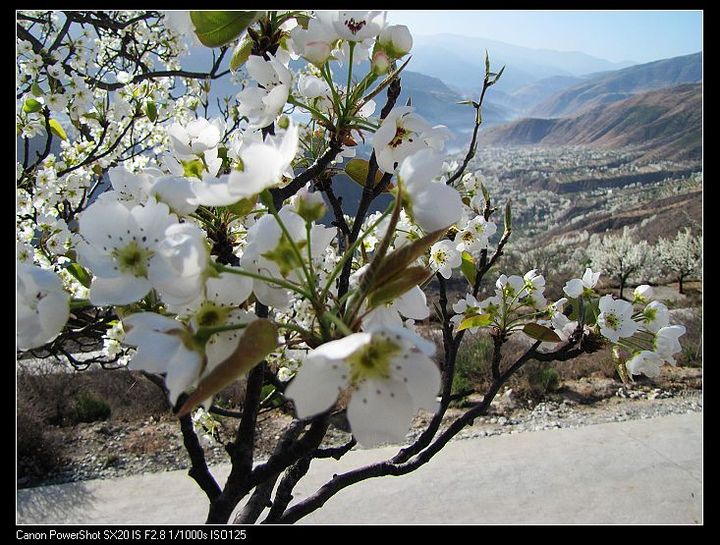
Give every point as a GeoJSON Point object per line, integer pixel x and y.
{"type": "Point", "coordinates": [421, 377]}
{"type": "Point", "coordinates": [122, 290]}
{"type": "Point", "coordinates": [317, 385]}
{"type": "Point", "coordinates": [380, 411]}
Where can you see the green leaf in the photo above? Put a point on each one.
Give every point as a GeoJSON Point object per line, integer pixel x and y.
{"type": "Point", "coordinates": [485, 192]}
{"type": "Point", "coordinates": [400, 284]}
{"type": "Point", "coordinates": [479, 320]}
{"type": "Point", "coordinates": [36, 90]}
{"type": "Point", "coordinates": [508, 217]}
{"type": "Point", "coordinates": [80, 274]}
{"type": "Point", "coordinates": [541, 333]}
{"type": "Point", "coordinates": [258, 340]}
{"type": "Point", "coordinates": [216, 28]}
{"type": "Point", "coordinates": [470, 102]}
{"type": "Point", "coordinates": [57, 130]}
{"type": "Point", "coordinates": [31, 106]}
{"type": "Point", "coordinates": [397, 261]}
{"type": "Point", "coordinates": [487, 63]}
{"type": "Point", "coordinates": [592, 309]}
{"type": "Point", "coordinates": [468, 268]}
{"type": "Point", "coordinates": [241, 53]}
{"type": "Point", "coordinates": [497, 77]}
{"type": "Point", "coordinates": [357, 170]}
{"type": "Point", "coordinates": [151, 110]}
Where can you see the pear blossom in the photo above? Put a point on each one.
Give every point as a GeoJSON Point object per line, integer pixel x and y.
{"type": "Point", "coordinates": [403, 133]}
{"type": "Point", "coordinates": [469, 306]}
{"type": "Point", "coordinates": [576, 287]}
{"type": "Point", "coordinates": [198, 136]}
{"type": "Point", "coordinates": [563, 327]}
{"type": "Point", "coordinates": [126, 250]}
{"type": "Point", "coordinates": [220, 306]}
{"type": "Point", "coordinates": [262, 104]}
{"type": "Point", "coordinates": [444, 257]}
{"type": "Point", "coordinates": [42, 306]}
{"type": "Point", "coordinates": [312, 87]}
{"type": "Point", "coordinates": [643, 294]}
{"type": "Point", "coordinates": [615, 319]}
{"type": "Point", "coordinates": [388, 372]}
{"type": "Point", "coordinates": [395, 40]}
{"type": "Point", "coordinates": [269, 253]}
{"type": "Point", "coordinates": [263, 165]}
{"type": "Point", "coordinates": [316, 43]}
{"type": "Point", "coordinates": [645, 362]}
{"type": "Point", "coordinates": [309, 205]}
{"type": "Point", "coordinates": [132, 189]}
{"type": "Point", "coordinates": [432, 205]}
{"type": "Point", "coordinates": [56, 102]}
{"type": "Point", "coordinates": [475, 236]}
{"type": "Point", "coordinates": [361, 52]}
{"type": "Point", "coordinates": [412, 304]}
{"type": "Point", "coordinates": [356, 26]}
{"type": "Point", "coordinates": [380, 62]}
{"type": "Point", "coordinates": [180, 271]}
{"type": "Point", "coordinates": [655, 316]}
{"type": "Point", "coordinates": [667, 342]}
{"type": "Point", "coordinates": [512, 287]}
{"type": "Point", "coordinates": [164, 345]}
{"type": "Point", "coordinates": [535, 286]}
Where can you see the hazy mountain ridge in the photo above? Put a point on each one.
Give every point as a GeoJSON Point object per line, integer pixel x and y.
{"type": "Point", "coordinates": [460, 62]}
{"type": "Point", "coordinates": [608, 87]}
{"type": "Point", "coordinates": [667, 123]}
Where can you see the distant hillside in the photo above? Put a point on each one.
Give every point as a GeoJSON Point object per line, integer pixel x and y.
{"type": "Point", "coordinates": [459, 61]}
{"type": "Point", "coordinates": [609, 87]}
{"type": "Point", "coordinates": [437, 103]}
{"type": "Point", "coordinates": [667, 123]}
{"type": "Point", "coordinates": [526, 98]}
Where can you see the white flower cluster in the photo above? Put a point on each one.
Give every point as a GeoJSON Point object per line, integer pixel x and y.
{"type": "Point", "coordinates": [518, 300]}
{"type": "Point", "coordinates": [646, 335]}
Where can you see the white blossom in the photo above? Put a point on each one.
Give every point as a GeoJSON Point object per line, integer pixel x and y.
{"type": "Point", "coordinates": [615, 319]}
{"type": "Point", "coordinates": [444, 257]}
{"type": "Point", "coordinates": [403, 133]}
{"type": "Point", "coordinates": [578, 286]}
{"type": "Point", "coordinates": [42, 306]}
{"type": "Point", "coordinates": [390, 376]}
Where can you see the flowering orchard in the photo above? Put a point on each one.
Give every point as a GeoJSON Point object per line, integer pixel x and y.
{"type": "Point", "coordinates": [211, 258]}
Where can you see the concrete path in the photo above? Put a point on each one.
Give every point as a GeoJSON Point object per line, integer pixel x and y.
{"type": "Point", "coordinates": [641, 471]}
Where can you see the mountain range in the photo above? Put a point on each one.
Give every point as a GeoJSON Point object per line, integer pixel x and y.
{"type": "Point", "coordinates": [607, 87]}
{"type": "Point", "coordinates": [459, 61]}
{"type": "Point", "coordinates": [665, 123]}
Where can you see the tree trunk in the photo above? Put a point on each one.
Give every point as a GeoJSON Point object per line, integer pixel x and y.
{"type": "Point", "coordinates": [622, 286]}
{"type": "Point", "coordinates": [680, 285]}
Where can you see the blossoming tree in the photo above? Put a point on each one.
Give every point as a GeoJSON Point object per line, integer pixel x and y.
{"type": "Point", "coordinates": [222, 249]}
{"type": "Point", "coordinates": [681, 258]}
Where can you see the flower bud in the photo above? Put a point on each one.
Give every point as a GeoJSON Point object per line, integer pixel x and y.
{"type": "Point", "coordinates": [396, 40]}
{"type": "Point", "coordinates": [380, 62]}
{"type": "Point", "coordinates": [643, 294]}
{"type": "Point", "coordinates": [283, 122]}
{"type": "Point", "coordinates": [309, 206]}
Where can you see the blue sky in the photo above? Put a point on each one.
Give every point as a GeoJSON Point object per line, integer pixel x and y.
{"type": "Point", "coordinates": [639, 36]}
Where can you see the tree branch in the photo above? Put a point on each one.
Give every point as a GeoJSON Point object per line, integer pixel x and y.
{"type": "Point", "coordinates": [380, 469]}
{"type": "Point", "coordinates": [199, 470]}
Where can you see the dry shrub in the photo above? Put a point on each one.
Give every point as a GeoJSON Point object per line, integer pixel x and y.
{"type": "Point", "coordinates": [39, 446]}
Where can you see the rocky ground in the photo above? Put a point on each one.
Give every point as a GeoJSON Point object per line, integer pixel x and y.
{"type": "Point", "coordinates": [107, 449]}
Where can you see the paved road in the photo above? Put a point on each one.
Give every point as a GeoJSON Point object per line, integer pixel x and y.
{"type": "Point", "coordinates": [641, 471]}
